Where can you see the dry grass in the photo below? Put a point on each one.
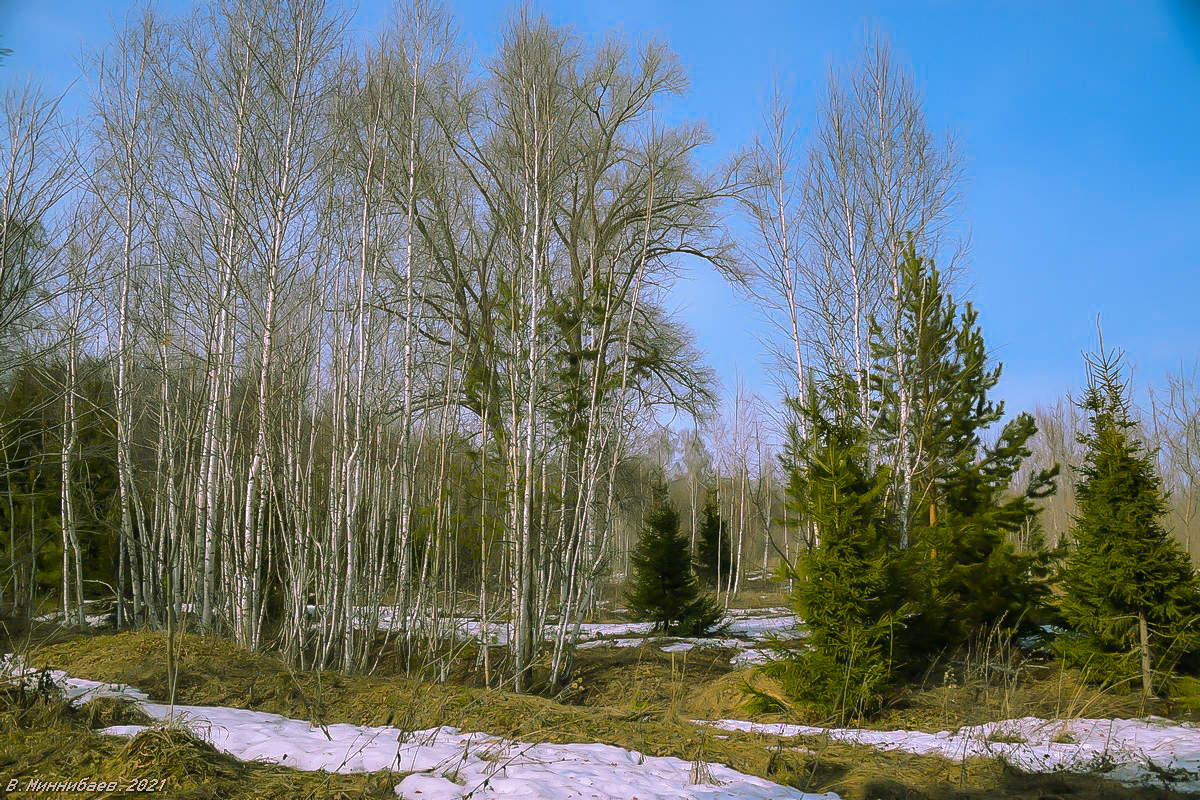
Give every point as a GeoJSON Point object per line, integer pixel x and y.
{"type": "Point", "coordinates": [1047, 690]}
{"type": "Point", "coordinates": [644, 677]}
{"type": "Point", "coordinates": [42, 735]}
{"type": "Point", "coordinates": [994, 680]}
{"type": "Point", "coordinates": [638, 698]}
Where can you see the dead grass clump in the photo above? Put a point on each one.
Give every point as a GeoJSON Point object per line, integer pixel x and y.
{"type": "Point", "coordinates": [724, 697]}
{"type": "Point", "coordinates": [30, 706]}
{"type": "Point", "coordinates": [177, 755]}
{"type": "Point", "coordinates": [867, 773]}
{"type": "Point", "coordinates": [212, 671]}
{"type": "Point", "coordinates": [643, 678]}
{"type": "Point", "coordinates": [731, 696]}
{"type": "Point", "coordinates": [1049, 691]}
{"type": "Point", "coordinates": [105, 712]}
{"type": "Point", "coordinates": [197, 771]}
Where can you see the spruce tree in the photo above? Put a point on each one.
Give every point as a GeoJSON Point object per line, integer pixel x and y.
{"type": "Point", "coordinates": [846, 590]}
{"type": "Point", "coordinates": [1130, 594]}
{"type": "Point", "coordinates": [714, 546]}
{"type": "Point", "coordinates": [665, 589]}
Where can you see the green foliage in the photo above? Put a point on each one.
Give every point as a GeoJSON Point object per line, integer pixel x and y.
{"type": "Point", "coordinates": [847, 588]}
{"type": "Point", "coordinates": [971, 575]}
{"type": "Point", "coordinates": [958, 513]}
{"type": "Point", "coordinates": [714, 546]}
{"type": "Point", "coordinates": [916, 518]}
{"type": "Point", "coordinates": [31, 409]}
{"type": "Point", "coordinates": [1123, 563]}
{"type": "Point", "coordinates": [665, 589]}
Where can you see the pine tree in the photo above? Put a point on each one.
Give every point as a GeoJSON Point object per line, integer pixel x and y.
{"type": "Point", "coordinates": [846, 589]}
{"type": "Point", "coordinates": [665, 589]}
{"type": "Point", "coordinates": [1130, 594]}
{"type": "Point", "coordinates": [972, 576]}
{"type": "Point", "coordinates": [954, 499]}
{"type": "Point", "coordinates": [714, 546]}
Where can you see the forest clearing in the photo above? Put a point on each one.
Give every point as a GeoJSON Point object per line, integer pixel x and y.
{"type": "Point", "coordinates": [355, 442]}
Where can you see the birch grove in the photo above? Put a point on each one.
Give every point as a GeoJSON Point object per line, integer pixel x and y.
{"type": "Point", "coordinates": [377, 328]}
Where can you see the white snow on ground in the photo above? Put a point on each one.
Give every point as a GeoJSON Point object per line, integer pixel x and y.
{"type": "Point", "coordinates": [1153, 751]}
{"type": "Point", "coordinates": [94, 615]}
{"type": "Point", "coordinates": [498, 629]}
{"type": "Point", "coordinates": [750, 657]}
{"type": "Point", "coordinates": [446, 764]}
{"type": "Point", "coordinates": [610, 643]}
{"type": "Point", "coordinates": [745, 628]}
{"type": "Point", "coordinates": [75, 689]}
{"type": "Point", "coordinates": [668, 644]}
{"type": "Point", "coordinates": [89, 620]}
{"type": "Point", "coordinates": [761, 626]}
{"type": "Point", "coordinates": [681, 643]}
{"type": "Point", "coordinates": [594, 630]}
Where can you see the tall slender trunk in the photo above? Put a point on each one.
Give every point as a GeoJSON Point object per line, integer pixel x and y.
{"type": "Point", "coordinates": [70, 436]}
{"type": "Point", "coordinates": [1144, 647]}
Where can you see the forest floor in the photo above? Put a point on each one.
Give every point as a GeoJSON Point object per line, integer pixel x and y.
{"type": "Point", "coordinates": [628, 692]}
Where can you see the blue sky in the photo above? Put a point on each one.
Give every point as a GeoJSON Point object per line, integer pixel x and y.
{"type": "Point", "coordinates": [1079, 124]}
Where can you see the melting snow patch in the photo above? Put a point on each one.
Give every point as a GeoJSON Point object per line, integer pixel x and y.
{"type": "Point", "coordinates": [68, 619]}
{"type": "Point", "coordinates": [448, 764]}
{"type": "Point", "coordinates": [744, 627]}
{"type": "Point", "coordinates": [750, 657]}
{"type": "Point", "coordinates": [610, 643]}
{"type": "Point", "coordinates": [763, 626]}
{"type": "Point", "coordinates": [688, 642]}
{"type": "Point", "coordinates": [1133, 751]}
{"type": "Point", "coordinates": [75, 689]}
{"type": "Point", "coordinates": [594, 630]}
{"type": "Point", "coordinates": [445, 763]}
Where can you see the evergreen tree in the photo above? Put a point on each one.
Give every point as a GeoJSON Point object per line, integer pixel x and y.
{"type": "Point", "coordinates": [714, 546]}
{"type": "Point", "coordinates": [30, 492]}
{"type": "Point", "coordinates": [1130, 593]}
{"type": "Point", "coordinates": [915, 516]}
{"type": "Point", "coordinates": [846, 589]}
{"type": "Point", "coordinates": [954, 500]}
{"type": "Point", "coordinates": [665, 588]}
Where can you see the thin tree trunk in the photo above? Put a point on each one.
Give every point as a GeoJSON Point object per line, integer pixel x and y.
{"type": "Point", "coordinates": [1144, 647]}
